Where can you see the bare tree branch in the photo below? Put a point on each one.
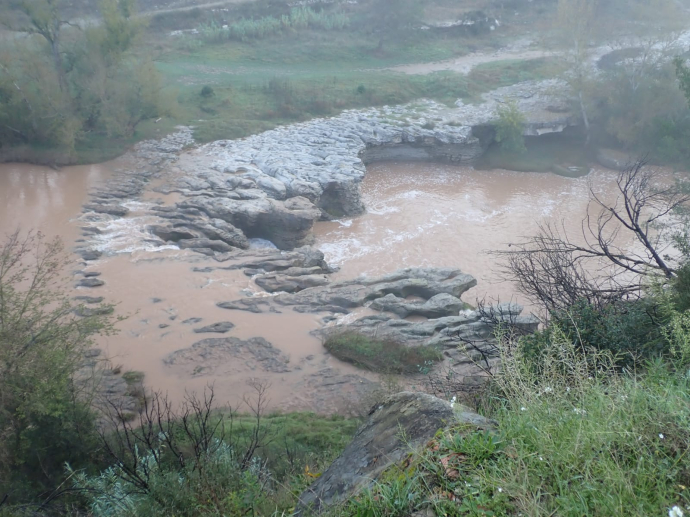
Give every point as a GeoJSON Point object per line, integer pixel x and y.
{"type": "Point", "coordinates": [622, 245]}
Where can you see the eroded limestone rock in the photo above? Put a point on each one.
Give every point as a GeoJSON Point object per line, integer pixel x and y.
{"type": "Point", "coordinates": [228, 355]}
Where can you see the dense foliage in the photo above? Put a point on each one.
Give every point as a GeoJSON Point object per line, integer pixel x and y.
{"type": "Point", "coordinates": [61, 83]}
{"type": "Point", "coordinates": [45, 390]}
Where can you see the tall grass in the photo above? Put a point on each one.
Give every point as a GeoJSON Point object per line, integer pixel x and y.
{"type": "Point", "coordinates": [247, 29]}
{"type": "Point", "coordinates": [574, 437]}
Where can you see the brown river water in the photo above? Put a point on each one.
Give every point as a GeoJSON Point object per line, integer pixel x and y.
{"type": "Point", "coordinates": [417, 215]}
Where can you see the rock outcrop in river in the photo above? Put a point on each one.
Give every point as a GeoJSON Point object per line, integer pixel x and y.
{"type": "Point", "coordinates": [276, 184]}
{"type": "Point", "coordinates": [300, 279]}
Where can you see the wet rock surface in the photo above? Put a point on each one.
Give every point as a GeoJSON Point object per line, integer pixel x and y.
{"type": "Point", "coordinates": [229, 355]}
{"type": "Point", "coordinates": [90, 282]}
{"type": "Point", "coordinates": [218, 328]}
{"type": "Point", "coordinates": [277, 184]}
{"type": "Point", "coordinates": [273, 187]}
{"type": "Point", "coordinates": [392, 431]}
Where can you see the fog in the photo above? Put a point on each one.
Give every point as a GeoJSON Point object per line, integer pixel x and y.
{"type": "Point", "coordinates": [233, 186]}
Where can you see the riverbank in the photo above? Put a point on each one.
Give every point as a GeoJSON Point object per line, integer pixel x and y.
{"type": "Point", "coordinates": [233, 89]}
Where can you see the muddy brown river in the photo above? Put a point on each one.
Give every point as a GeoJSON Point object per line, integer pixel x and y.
{"type": "Point", "coordinates": [417, 215]}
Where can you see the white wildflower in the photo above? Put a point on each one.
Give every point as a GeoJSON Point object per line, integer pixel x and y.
{"type": "Point", "coordinates": [661, 437]}
{"type": "Point", "coordinates": [541, 459]}
{"type": "Point", "coordinates": [675, 512]}
{"type": "Point", "coordinates": [501, 490]}
{"type": "Point", "coordinates": [548, 390]}
{"type": "Point", "coordinates": [567, 388]}
{"type": "Point", "coordinates": [523, 408]}
{"type": "Point", "coordinates": [579, 411]}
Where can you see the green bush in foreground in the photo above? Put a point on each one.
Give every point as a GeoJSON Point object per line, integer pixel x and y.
{"type": "Point", "coordinates": [380, 355]}
{"type": "Point", "coordinates": [571, 440]}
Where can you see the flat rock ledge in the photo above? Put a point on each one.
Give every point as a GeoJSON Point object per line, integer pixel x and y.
{"type": "Point", "coordinates": [394, 429]}
{"type": "Point", "coordinates": [412, 306]}
{"type": "Point", "coordinates": [276, 184]}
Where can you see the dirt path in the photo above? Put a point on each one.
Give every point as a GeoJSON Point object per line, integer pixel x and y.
{"type": "Point", "coordinates": [204, 5]}
{"type": "Point", "coordinates": [465, 64]}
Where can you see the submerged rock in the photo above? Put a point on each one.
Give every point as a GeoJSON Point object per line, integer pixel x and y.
{"type": "Point", "coordinates": [219, 328]}
{"type": "Point", "coordinates": [228, 355]}
{"type": "Point", "coordinates": [90, 282]}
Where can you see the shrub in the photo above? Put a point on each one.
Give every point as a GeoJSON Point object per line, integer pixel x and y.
{"type": "Point", "coordinates": [509, 129]}
{"type": "Point", "coordinates": [380, 355]}
{"type": "Point", "coordinates": [199, 460]}
{"type": "Point", "coordinates": [45, 415]}
{"type": "Point", "coordinates": [207, 91]}
{"type": "Point", "coordinates": [299, 18]}
{"type": "Point", "coordinates": [630, 331]}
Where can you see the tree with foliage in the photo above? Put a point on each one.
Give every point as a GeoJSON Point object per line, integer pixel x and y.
{"type": "Point", "coordinates": [45, 395]}
{"type": "Point", "coordinates": [62, 82]}
{"type": "Point", "coordinates": [44, 18]}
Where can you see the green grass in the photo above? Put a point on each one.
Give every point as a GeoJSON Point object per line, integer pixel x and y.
{"type": "Point", "coordinates": [253, 99]}
{"type": "Point", "coordinates": [312, 438]}
{"type": "Point", "coordinates": [579, 438]}
{"type": "Point", "coordinates": [133, 377]}
{"type": "Point", "coordinates": [377, 355]}
{"type": "Point", "coordinates": [294, 77]}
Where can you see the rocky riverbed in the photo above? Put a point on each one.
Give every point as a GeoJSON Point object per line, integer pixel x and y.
{"type": "Point", "coordinates": [246, 209]}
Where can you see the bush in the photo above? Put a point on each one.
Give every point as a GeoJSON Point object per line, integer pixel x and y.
{"type": "Point", "coordinates": [509, 129]}
{"type": "Point", "coordinates": [199, 460]}
{"type": "Point", "coordinates": [630, 331]}
{"type": "Point", "coordinates": [247, 29]}
{"type": "Point", "coordinates": [378, 355]}
{"type": "Point", "coordinates": [45, 415]}
{"type": "Point", "coordinates": [207, 91]}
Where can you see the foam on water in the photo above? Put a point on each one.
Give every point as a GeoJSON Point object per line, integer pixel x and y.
{"type": "Point", "coordinates": [435, 215]}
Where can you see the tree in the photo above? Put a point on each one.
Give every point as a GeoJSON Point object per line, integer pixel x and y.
{"type": "Point", "coordinates": [44, 18]}
{"type": "Point", "coordinates": [105, 85]}
{"type": "Point", "coordinates": [576, 28]}
{"type": "Point", "coordinates": [558, 272]}
{"type": "Point", "coordinates": [45, 404]}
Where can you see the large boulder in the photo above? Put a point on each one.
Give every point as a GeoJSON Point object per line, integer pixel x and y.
{"type": "Point", "coordinates": [290, 284]}
{"type": "Point", "coordinates": [287, 224]}
{"type": "Point", "coordinates": [393, 430]}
